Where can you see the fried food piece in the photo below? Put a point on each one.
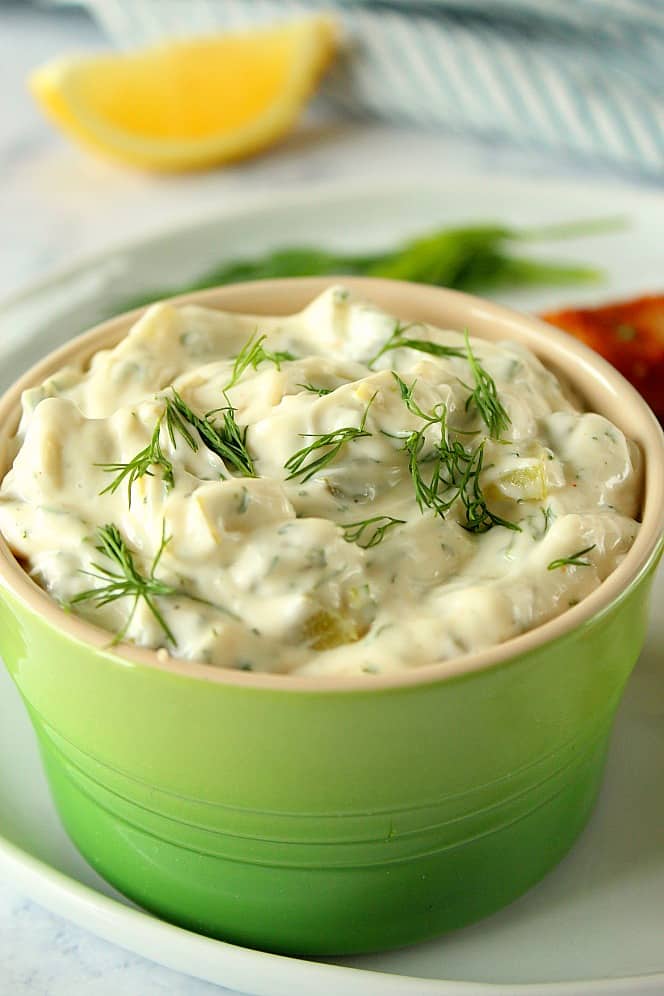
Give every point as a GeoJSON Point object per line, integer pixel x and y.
{"type": "Point", "coordinates": [630, 335]}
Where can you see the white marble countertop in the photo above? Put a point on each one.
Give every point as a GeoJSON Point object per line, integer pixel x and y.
{"type": "Point", "coordinates": [58, 204]}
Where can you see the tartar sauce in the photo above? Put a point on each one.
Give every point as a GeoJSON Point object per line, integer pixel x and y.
{"type": "Point", "coordinates": [333, 492]}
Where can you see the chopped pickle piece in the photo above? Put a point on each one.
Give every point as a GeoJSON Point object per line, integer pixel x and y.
{"type": "Point", "coordinates": [325, 629]}
{"type": "Point", "coordinates": [526, 483]}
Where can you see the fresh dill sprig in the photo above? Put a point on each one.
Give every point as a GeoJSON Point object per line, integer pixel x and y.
{"type": "Point", "coordinates": [229, 442]}
{"type": "Point", "coordinates": [353, 530]}
{"type": "Point", "coordinates": [177, 421]}
{"type": "Point", "coordinates": [424, 492]}
{"type": "Point", "coordinates": [330, 442]}
{"type": "Point", "coordinates": [126, 581]}
{"type": "Point", "coordinates": [398, 340]}
{"type": "Point", "coordinates": [455, 471]}
{"type": "Point", "coordinates": [139, 466]}
{"type": "Point", "coordinates": [406, 393]}
{"type": "Point", "coordinates": [573, 561]}
{"type": "Point", "coordinates": [448, 455]}
{"type": "Point", "coordinates": [252, 354]}
{"type": "Point", "coordinates": [485, 396]}
{"type": "Point", "coordinates": [320, 391]}
{"type": "Point", "coordinates": [479, 517]}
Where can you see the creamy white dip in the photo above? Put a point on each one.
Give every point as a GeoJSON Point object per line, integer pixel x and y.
{"type": "Point", "coordinates": [275, 572]}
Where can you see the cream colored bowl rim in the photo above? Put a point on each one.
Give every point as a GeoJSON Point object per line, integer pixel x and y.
{"type": "Point", "coordinates": [602, 387]}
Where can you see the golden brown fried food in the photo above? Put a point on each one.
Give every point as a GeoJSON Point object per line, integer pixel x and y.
{"type": "Point", "coordinates": [630, 335]}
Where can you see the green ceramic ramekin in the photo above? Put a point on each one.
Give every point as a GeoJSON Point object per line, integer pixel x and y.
{"type": "Point", "coordinates": [324, 816]}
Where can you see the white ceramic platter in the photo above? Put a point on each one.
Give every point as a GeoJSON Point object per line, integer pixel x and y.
{"type": "Point", "coordinates": [596, 924]}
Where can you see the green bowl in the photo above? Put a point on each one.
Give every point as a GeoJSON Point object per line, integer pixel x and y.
{"type": "Point", "coordinates": [322, 816]}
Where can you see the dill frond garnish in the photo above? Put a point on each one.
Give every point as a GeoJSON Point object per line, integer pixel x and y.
{"type": "Point", "coordinates": [485, 396]}
{"type": "Point", "coordinates": [228, 442]}
{"type": "Point", "coordinates": [330, 442]}
{"type": "Point", "coordinates": [479, 517]}
{"type": "Point", "coordinates": [320, 391]}
{"type": "Point", "coordinates": [573, 561]}
{"type": "Point", "coordinates": [176, 420]}
{"type": "Point", "coordinates": [126, 581]}
{"type": "Point", "coordinates": [252, 354]}
{"type": "Point", "coordinates": [408, 399]}
{"type": "Point", "coordinates": [231, 443]}
{"type": "Point", "coordinates": [398, 340]}
{"type": "Point", "coordinates": [139, 466]}
{"type": "Point", "coordinates": [425, 493]}
{"type": "Point", "coordinates": [455, 471]}
{"type": "Point", "coordinates": [353, 531]}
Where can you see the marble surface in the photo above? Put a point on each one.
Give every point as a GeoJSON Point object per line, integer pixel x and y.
{"type": "Point", "coordinates": [58, 204]}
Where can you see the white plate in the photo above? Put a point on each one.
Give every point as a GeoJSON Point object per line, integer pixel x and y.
{"type": "Point", "coordinates": [599, 917]}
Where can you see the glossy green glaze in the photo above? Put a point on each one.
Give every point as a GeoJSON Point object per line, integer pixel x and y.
{"type": "Point", "coordinates": [325, 822]}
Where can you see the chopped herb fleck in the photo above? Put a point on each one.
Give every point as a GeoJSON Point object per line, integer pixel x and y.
{"type": "Point", "coordinates": [316, 557]}
{"type": "Point", "coordinates": [243, 501]}
{"type": "Point", "coordinates": [626, 333]}
{"type": "Point", "coordinates": [548, 518]}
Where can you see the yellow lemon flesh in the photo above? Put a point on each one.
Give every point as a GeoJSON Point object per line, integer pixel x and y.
{"type": "Point", "coordinates": [189, 105]}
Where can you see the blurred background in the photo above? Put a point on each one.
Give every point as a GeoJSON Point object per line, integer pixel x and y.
{"type": "Point", "coordinates": [514, 148]}
{"type": "Point", "coordinates": [415, 89]}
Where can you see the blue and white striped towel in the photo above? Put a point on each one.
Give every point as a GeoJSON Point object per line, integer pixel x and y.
{"type": "Point", "coordinates": [575, 76]}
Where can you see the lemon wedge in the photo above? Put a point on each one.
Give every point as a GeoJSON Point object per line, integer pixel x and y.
{"type": "Point", "coordinates": [189, 105]}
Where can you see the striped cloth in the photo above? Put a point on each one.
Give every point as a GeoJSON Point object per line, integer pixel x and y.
{"type": "Point", "coordinates": [576, 76]}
